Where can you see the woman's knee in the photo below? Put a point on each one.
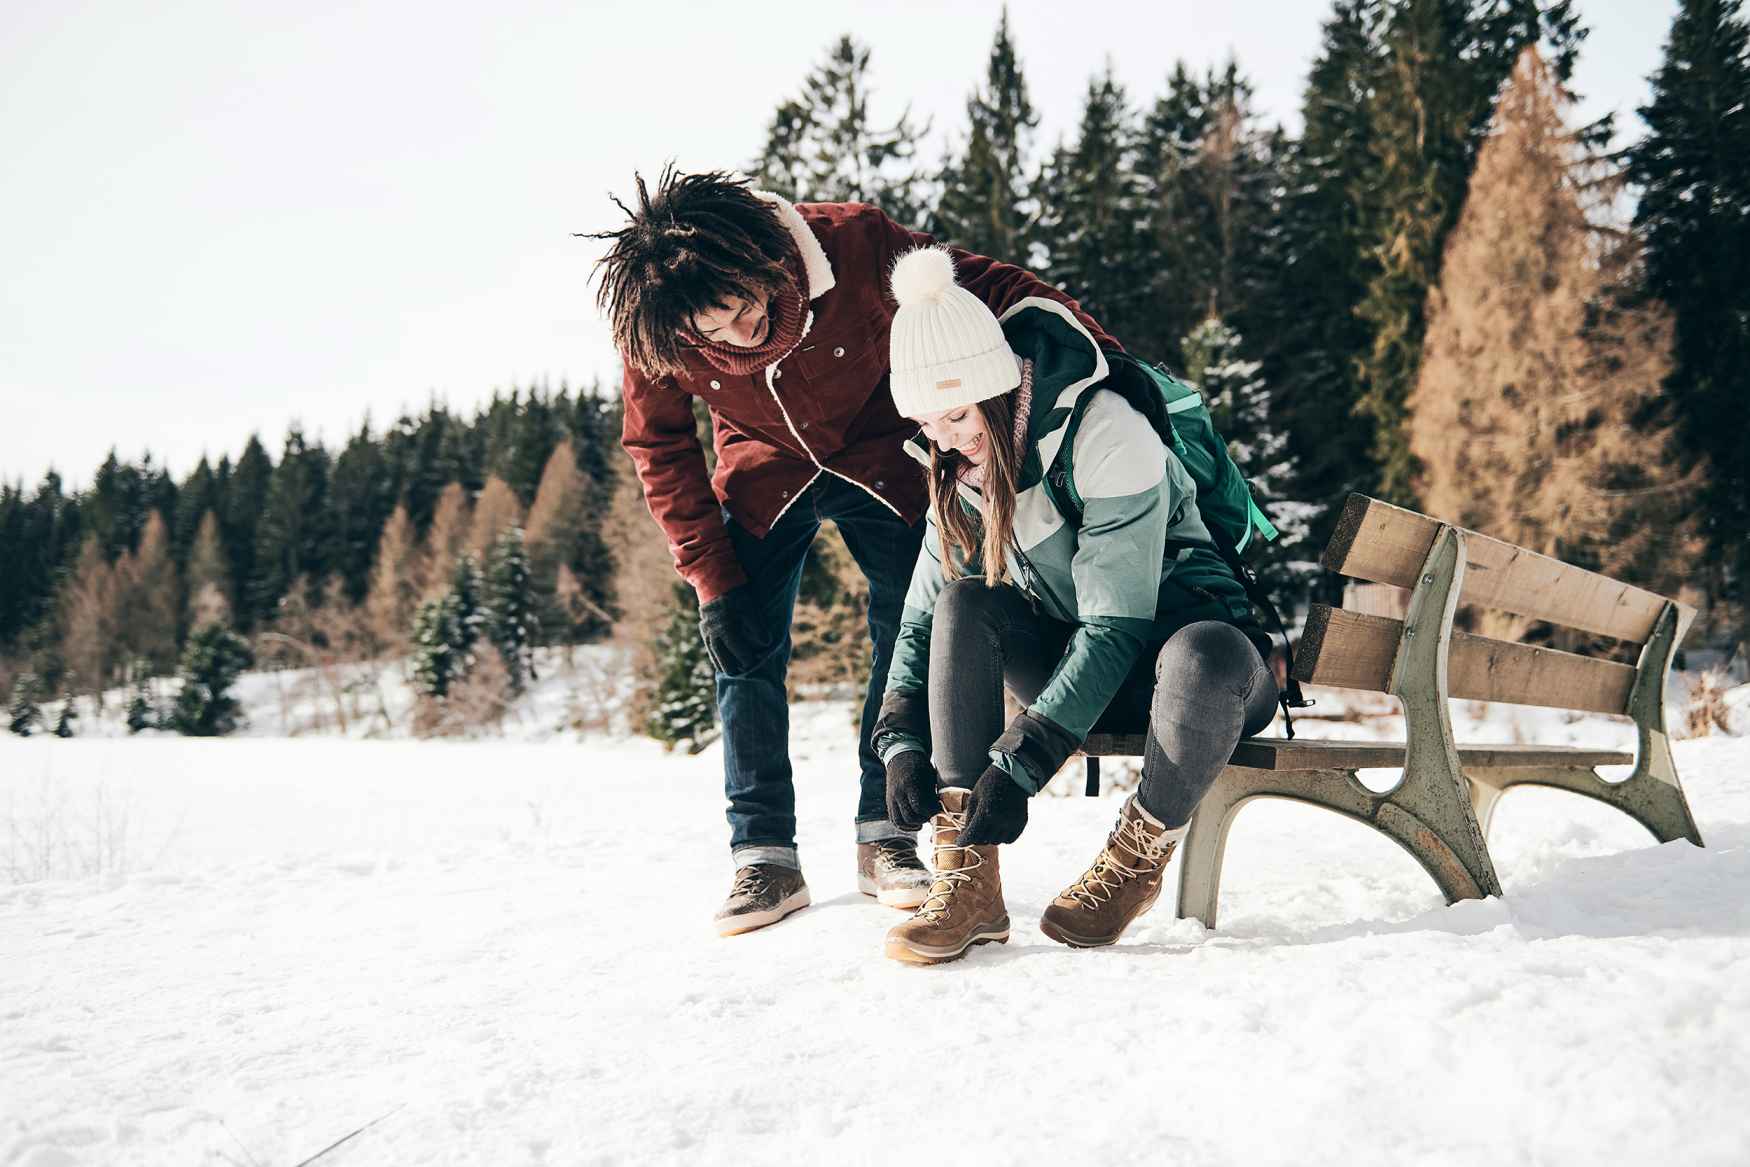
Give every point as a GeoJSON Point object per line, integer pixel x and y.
{"type": "Point", "coordinates": [1208, 655]}
{"type": "Point", "coordinates": [969, 599]}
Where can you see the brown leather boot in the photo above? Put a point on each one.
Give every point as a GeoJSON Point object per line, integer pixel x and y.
{"type": "Point", "coordinates": [1123, 883]}
{"type": "Point", "coordinates": [965, 904]}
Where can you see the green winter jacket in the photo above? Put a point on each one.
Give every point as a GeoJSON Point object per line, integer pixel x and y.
{"type": "Point", "coordinates": [1141, 566]}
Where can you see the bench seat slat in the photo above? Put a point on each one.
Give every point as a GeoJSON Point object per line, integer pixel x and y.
{"type": "Point", "coordinates": [1351, 650]}
{"type": "Point", "coordinates": [1381, 543]}
{"type": "Point", "coordinates": [1301, 754]}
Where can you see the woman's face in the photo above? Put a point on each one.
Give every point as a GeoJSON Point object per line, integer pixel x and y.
{"type": "Point", "coordinates": [959, 429]}
{"type": "Point", "coordinates": [736, 322]}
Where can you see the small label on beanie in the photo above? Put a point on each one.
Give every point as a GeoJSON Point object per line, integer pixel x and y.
{"type": "Point", "coordinates": [952, 384]}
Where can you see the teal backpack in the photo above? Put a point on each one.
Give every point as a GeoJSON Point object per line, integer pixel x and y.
{"type": "Point", "coordinates": [1224, 498]}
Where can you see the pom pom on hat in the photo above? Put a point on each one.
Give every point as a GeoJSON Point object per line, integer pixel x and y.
{"type": "Point", "coordinates": [923, 276]}
{"type": "Point", "coordinates": [945, 347]}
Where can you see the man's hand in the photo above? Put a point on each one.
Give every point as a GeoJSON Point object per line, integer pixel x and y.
{"type": "Point", "coordinates": [911, 790]}
{"type": "Point", "coordinates": [996, 811]}
{"type": "Point", "coordinates": [728, 632]}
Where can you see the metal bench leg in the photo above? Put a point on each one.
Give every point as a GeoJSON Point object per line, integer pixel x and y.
{"type": "Point", "coordinates": [1657, 805]}
{"type": "Point", "coordinates": [1431, 828]}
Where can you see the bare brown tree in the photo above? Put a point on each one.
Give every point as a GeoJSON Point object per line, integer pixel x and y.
{"type": "Point", "coordinates": [1537, 416]}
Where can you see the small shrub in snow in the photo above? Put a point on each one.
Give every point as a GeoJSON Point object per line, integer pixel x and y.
{"type": "Point", "coordinates": [211, 662]}
{"type": "Point", "coordinates": [64, 723]}
{"type": "Point", "coordinates": [445, 631]}
{"type": "Point", "coordinates": [683, 707]}
{"type": "Point", "coordinates": [24, 715]}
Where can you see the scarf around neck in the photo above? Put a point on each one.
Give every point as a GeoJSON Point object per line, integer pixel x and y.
{"type": "Point", "coordinates": [786, 308]}
{"type": "Point", "coordinates": [973, 476]}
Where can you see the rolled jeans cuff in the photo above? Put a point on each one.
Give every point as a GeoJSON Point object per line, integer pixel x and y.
{"type": "Point", "coordinates": [773, 856]}
{"type": "Point", "coordinates": [876, 830]}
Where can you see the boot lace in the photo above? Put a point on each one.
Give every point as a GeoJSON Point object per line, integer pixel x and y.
{"type": "Point", "coordinates": [749, 881]}
{"type": "Point", "coordinates": [897, 855]}
{"type": "Point", "coordinates": [1107, 877]}
{"type": "Point", "coordinates": [940, 899]}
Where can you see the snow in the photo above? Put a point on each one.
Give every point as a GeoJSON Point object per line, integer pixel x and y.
{"type": "Point", "coordinates": [241, 950]}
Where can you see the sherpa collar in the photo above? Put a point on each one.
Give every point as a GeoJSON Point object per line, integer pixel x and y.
{"type": "Point", "coordinates": [814, 262]}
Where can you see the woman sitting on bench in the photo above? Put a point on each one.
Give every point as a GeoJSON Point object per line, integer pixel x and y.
{"type": "Point", "coordinates": [1121, 618]}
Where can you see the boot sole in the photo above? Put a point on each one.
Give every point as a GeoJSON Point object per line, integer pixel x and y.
{"type": "Point", "coordinates": [902, 898]}
{"type": "Point", "coordinates": [923, 954]}
{"type": "Point", "coordinates": [753, 921]}
{"type": "Point", "coordinates": [1053, 931]}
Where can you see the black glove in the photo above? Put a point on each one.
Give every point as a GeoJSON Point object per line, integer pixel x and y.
{"type": "Point", "coordinates": [911, 790]}
{"type": "Point", "coordinates": [727, 632]}
{"type": "Point", "coordinates": [996, 811]}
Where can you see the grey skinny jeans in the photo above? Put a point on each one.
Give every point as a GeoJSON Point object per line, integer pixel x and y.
{"type": "Point", "coordinates": [1197, 694]}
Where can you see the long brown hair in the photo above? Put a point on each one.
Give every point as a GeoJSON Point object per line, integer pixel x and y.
{"type": "Point", "coordinates": [1002, 471]}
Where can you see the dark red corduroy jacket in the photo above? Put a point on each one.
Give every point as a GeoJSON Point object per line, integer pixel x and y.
{"type": "Point", "coordinates": [823, 409]}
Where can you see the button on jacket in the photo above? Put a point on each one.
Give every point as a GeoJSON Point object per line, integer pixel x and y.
{"type": "Point", "coordinates": [824, 408]}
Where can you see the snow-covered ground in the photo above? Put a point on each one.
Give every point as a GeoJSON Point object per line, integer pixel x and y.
{"type": "Point", "coordinates": [240, 951]}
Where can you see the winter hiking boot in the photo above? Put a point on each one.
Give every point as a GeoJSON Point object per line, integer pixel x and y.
{"type": "Point", "coordinates": [890, 870]}
{"type": "Point", "coordinates": [764, 893]}
{"type": "Point", "coordinates": [965, 903]}
{"type": "Point", "coordinates": [1123, 883]}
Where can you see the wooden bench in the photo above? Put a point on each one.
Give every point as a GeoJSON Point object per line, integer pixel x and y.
{"type": "Point", "coordinates": [1440, 808]}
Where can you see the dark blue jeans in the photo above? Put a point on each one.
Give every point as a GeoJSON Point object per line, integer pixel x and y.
{"type": "Point", "coordinates": [754, 705]}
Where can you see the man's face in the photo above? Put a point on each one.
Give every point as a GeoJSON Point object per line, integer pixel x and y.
{"type": "Point", "coordinates": [737, 322]}
{"type": "Point", "coordinates": [959, 429]}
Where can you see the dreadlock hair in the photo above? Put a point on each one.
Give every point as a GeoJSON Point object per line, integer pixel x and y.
{"type": "Point", "coordinates": [702, 239]}
{"type": "Point", "coordinates": [1002, 473]}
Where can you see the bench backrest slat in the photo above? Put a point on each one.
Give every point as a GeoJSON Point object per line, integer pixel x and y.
{"type": "Point", "coordinates": [1350, 650]}
{"type": "Point", "coordinates": [1381, 543]}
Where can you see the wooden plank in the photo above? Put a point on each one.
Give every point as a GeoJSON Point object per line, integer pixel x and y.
{"type": "Point", "coordinates": [1349, 650]}
{"type": "Point", "coordinates": [1381, 543]}
{"type": "Point", "coordinates": [1302, 754]}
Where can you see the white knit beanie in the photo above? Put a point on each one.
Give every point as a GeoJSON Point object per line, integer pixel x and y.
{"type": "Point", "coordinates": [946, 348]}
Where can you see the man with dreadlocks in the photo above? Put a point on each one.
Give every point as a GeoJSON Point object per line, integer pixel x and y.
{"type": "Point", "coordinates": [777, 316]}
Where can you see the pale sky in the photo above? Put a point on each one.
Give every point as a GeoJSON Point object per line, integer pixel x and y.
{"type": "Point", "coordinates": [216, 218]}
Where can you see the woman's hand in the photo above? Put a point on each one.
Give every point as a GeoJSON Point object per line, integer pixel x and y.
{"type": "Point", "coordinates": [996, 811]}
{"type": "Point", "coordinates": [911, 790]}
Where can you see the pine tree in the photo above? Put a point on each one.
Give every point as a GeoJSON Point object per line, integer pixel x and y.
{"type": "Point", "coordinates": [1693, 170]}
{"type": "Point", "coordinates": [294, 535]}
{"type": "Point", "coordinates": [683, 707]}
{"type": "Point", "coordinates": [496, 511]}
{"type": "Point", "coordinates": [396, 585]}
{"type": "Point", "coordinates": [239, 520]}
{"type": "Point", "coordinates": [360, 497]}
{"type": "Point", "coordinates": [212, 661]}
{"type": "Point", "coordinates": [1442, 65]}
{"type": "Point", "coordinates": [1537, 415]}
{"type": "Point", "coordinates": [1313, 337]}
{"type": "Point", "coordinates": [1210, 175]}
{"type": "Point", "coordinates": [147, 600]}
{"type": "Point", "coordinates": [89, 617]}
{"type": "Point", "coordinates": [23, 713]}
{"type": "Point", "coordinates": [207, 579]}
{"type": "Point", "coordinates": [510, 622]}
{"type": "Point", "coordinates": [446, 539]}
{"type": "Point", "coordinates": [824, 147]}
{"type": "Point", "coordinates": [1240, 405]}
{"type": "Point", "coordinates": [1093, 221]}
{"type": "Point", "coordinates": [986, 200]}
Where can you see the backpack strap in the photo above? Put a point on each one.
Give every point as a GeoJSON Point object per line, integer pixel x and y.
{"type": "Point", "coordinates": [1291, 696]}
